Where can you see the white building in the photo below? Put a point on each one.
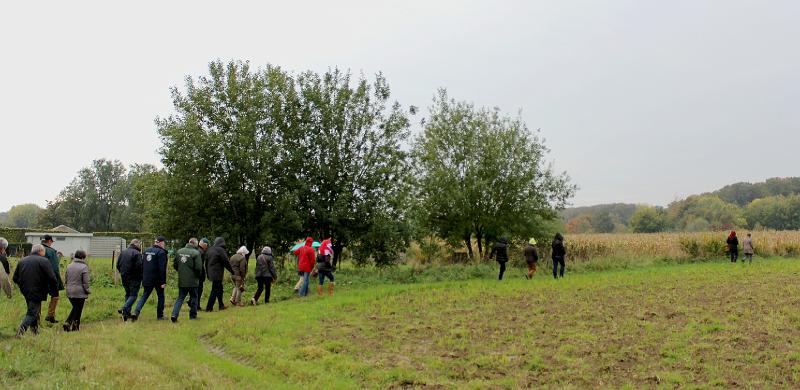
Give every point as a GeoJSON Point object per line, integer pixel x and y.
{"type": "Point", "coordinates": [67, 240]}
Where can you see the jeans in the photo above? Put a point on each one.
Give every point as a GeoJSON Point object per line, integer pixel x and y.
{"type": "Point", "coordinates": [182, 293]}
{"type": "Point", "coordinates": [265, 285]}
{"type": "Point", "coordinates": [502, 270]}
{"type": "Point", "coordinates": [556, 262]}
{"type": "Point", "coordinates": [147, 291]}
{"type": "Point", "coordinates": [304, 287]}
{"type": "Point", "coordinates": [216, 294]}
{"type": "Point", "coordinates": [131, 293]}
{"type": "Point", "coordinates": [748, 257]}
{"type": "Point", "coordinates": [325, 274]}
{"type": "Point", "coordinates": [31, 319]}
{"type": "Point", "coordinates": [199, 294]}
{"type": "Point", "coordinates": [74, 318]}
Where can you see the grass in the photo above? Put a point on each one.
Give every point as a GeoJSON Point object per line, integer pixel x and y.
{"type": "Point", "coordinates": [711, 324]}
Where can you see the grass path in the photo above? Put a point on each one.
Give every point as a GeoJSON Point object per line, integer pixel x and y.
{"type": "Point", "coordinates": [693, 325]}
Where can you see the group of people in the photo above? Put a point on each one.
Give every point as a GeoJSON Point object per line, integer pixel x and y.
{"type": "Point", "coordinates": [732, 246]}
{"type": "Point", "coordinates": [558, 254]}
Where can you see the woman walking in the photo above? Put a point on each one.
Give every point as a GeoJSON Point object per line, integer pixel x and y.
{"type": "Point", "coordinates": [733, 246]}
{"type": "Point", "coordinates": [77, 285]}
{"type": "Point", "coordinates": [239, 266]}
{"type": "Point", "coordinates": [747, 249]}
{"type": "Point", "coordinates": [559, 253]}
{"type": "Point", "coordinates": [265, 274]}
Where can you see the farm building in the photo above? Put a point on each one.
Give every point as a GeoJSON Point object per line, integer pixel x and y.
{"type": "Point", "coordinates": [67, 240]}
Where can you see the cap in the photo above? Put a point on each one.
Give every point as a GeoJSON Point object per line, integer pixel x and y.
{"type": "Point", "coordinates": [160, 239]}
{"type": "Point", "coordinates": [205, 240]}
{"type": "Point", "coordinates": [47, 237]}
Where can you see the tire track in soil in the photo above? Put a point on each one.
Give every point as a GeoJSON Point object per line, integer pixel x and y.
{"type": "Point", "coordinates": [218, 351]}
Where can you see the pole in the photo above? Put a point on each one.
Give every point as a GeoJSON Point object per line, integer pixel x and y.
{"type": "Point", "coordinates": [113, 271]}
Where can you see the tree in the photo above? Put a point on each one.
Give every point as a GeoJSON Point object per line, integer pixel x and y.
{"type": "Point", "coordinates": [647, 219]}
{"type": "Point", "coordinates": [24, 215]}
{"type": "Point", "coordinates": [261, 156]}
{"type": "Point", "coordinates": [719, 215]}
{"type": "Point", "coordinates": [776, 212]}
{"type": "Point", "coordinates": [483, 174]}
{"type": "Point", "coordinates": [603, 222]}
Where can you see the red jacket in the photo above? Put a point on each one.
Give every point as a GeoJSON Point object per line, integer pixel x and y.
{"type": "Point", "coordinates": [306, 256]}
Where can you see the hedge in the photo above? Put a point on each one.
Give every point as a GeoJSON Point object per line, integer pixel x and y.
{"type": "Point", "coordinates": [128, 236]}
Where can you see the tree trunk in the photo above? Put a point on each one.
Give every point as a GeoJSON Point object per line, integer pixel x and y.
{"type": "Point", "coordinates": [479, 240]}
{"type": "Point", "coordinates": [468, 243]}
{"type": "Point", "coordinates": [337, 253]}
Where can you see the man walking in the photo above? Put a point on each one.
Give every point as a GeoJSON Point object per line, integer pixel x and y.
{"type": "Point", "coordinates": [189, 265]}
{"type": "Point", "coordinates": [35, 278]}
{"type": "Point", "coordinates": [129, 265]}
{"type": "Point", "coordinates": [202, 246]}
{"type": "Point", "coordinates": [52, 257]}
{"type": "Point", "coordinates": [217, 264]}
{"type": "Point", "coordinates": [154, 272]}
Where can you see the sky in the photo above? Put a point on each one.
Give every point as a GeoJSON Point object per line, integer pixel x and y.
{"type": "Point", "coordinates": [639, 101]}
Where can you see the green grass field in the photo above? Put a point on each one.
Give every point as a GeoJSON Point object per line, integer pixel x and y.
{"type": "Point", "coordinates": [698, 325]}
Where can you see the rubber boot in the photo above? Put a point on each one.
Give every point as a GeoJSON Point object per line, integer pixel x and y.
{"type": "Point", "coordinates": [319, 290]}
{"type": "Point", "coordinates": [330, 289]}
{"type": "Point", "coordinates": [51, 311]}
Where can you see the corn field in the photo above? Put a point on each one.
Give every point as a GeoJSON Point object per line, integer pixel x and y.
{"type": "Point", "coordinates": [700, 245]}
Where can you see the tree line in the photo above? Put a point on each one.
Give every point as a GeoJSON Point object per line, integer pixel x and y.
{"type": "Point", "coordinates": [772, 204]}
{"type": "Point", "coordinates": [269, 156]}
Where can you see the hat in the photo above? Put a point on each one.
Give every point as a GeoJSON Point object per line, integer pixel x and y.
{"type": "Point", "coordinates": [205, 240]}
{"type": "Point", "coordinates": [243, 250]}
{"type": "Point", "coordinates": [532, 241]}
{"type": "Point", "coordinates": [160, 239]}
{"type": "Point", "coordinates": [47, 237]}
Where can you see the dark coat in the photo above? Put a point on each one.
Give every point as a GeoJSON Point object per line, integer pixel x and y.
{"type": "Point", "coordinates": [559, 252]}
{"type": "Point", "coordinates": [265, 266]}
{"type": "Point", "coordinates": [239, 266]}
{"type": "Point", "coordinates": [35, 278]}
{"type": "Point", "coordinates": [324, 263]}
{"type": "Point", "coordinates": [4, 261]}
{"type": "Point", "coordinates": [218, 261]}
{"type": "Point", "coordinates": [205, 264]}
{"type": "Point", "coordinates": [530, 254]}
{"type": "Point", "coordinates": [733, 244]}
{"type": "Point", "coordinates": [500, 249]}
{"type": "Point", "coordinates": [52, 256]}
{"type": "Point", "coordinates": [129, 264]}
{"type": "Point", "coordinates": [154, 269]}
{"type": "Point", "coordinates": [189, 265]}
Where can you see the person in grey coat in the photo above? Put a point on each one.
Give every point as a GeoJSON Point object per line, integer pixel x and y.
{"type": "Point", "coordinates": [265, 274]}
{"type": "Point", "coordinates": [77, 284]}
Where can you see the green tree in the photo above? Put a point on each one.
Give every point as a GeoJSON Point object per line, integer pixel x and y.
{"type": "Point", "coordinates": [719, 214]}
{"type": "Point", "coordinates": [24, 215]}
{"type": "Point", "coordinates": [647, 219]}
{"type": "Point", "coordinates": [775, 212]}
{"type": "Point", "coordinates": [262, 156]}
{"type": "Point", "coordinates": [483, 174]}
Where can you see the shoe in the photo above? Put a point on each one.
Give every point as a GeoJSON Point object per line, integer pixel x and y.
{"type": "Point", "coordinates": [125, 317]}
{"type": "Point", "coordinates": [192, 318]}
{"type": "Point", "coordinates": [134, 317]}
{"type": "Point", "coordinates": [253, 301]}
{"type": "Point", "coordinates": [66, 328]}
{"type": "Point", "coordinates": [160, 318]}
{"type": "Point", "coordinates": [223, 307]}
{"type": "Point", "coordinates": [119, 311]}
{"type": "Point", "coordinates": [51, 319]}
{"type": "Point", "coordinates": [173, 319]}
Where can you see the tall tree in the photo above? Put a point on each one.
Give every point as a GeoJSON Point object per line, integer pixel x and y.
{"type": "Point", "coordinates": [482, 174]}
{"type": "Point", "coordinates": [24, 215]}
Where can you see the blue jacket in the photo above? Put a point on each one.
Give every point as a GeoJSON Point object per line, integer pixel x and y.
{"type": "Point", "coordinates": [154, 261]}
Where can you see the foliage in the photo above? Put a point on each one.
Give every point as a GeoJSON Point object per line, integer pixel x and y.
{"type": "Point", "coordinates": [720, 215]}
{"type": "Point", "coordinates": [776, 212]}
{"type": "Point", "coordinates": [100, 197]}
{"type": "Point", "coordinates": [24, 215]}
{"type": "Point", "coordinates": [14, 235]}
{"type": "Point", "coordinates": [648, 219]}
{"type": "Point", "coordinates": [262, 156]}
{"type": "Point", "coordinates": [483, 174]}
{"type": "Point", "coordinates": [744, 193]}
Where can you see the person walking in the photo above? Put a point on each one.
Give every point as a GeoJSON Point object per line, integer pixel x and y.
{"type": "Point", "coordinates": [325, 270]}
{"type": "Point", "coordinates": [4, 256]}
{"type": "Point", "coordinates": [747, 248]}
{"type": "Point", "coordinates": [35, 278]}
{"type": "Point", "coordinates": [239, 266]}
{"type": "Point", "coordinates": [531, 257]}
{"type": "Point", "coordinates": [202, 246]}
{"type": "Point", "coordinates": [500, 249]}
{"type": "Point", "coordinates": [265, 275]}
{"type": "Point", "coordinates": [52, 257]}
{"type": "Point", "coordinates": [154, 277]}
{"type": "Point", "coordinates": [77, 281]}
{"type": "Point", "coordinates": [217, 264]}
{"type": "Point", "coordinates": [733, 246]}
{"type": "Point", "coordinates": [305, 263]}
{"type": "Point", "coordinates": [559, 255]}
{"type": "Point", "coordinates": [129, 266]}
{"type": "Point", "coordinates": [189, 265]}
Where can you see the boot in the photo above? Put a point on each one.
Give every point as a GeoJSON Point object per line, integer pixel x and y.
{"type": "Point", "coordinates": [319, 290]}
{"type": "Point", "coordinates": [330, 289]}
{"type": "Point", "coordinates": [51, 311]}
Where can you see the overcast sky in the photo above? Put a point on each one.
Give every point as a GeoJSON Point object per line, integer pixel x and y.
{"type": "Point", "coordinates": [640, 101]}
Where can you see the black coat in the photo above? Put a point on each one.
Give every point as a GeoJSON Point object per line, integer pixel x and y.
{"type": "Point", "coordinates": [202, 276]}
{"type": "Point", "coordinates": [218, 261]}
{"type": "Point", "coordinates": [154, 269]}
{"type": "Point", "coordinates": [35, 278]}
{"type": "Point", "coordinates": [500, 249]}
{"type": "Point", "coordinates": [559, 252]}
{"type": "Point", "coordinates": [129, 264]}
{"type": "Point", "coordinates": [4, 260]}
{"type": "Point", "coordinates": [530, 254]}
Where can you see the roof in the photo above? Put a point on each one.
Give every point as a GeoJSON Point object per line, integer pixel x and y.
{"type": "Point", "coordinates": [58, 234]}
{"type": "Point", "coordinates": [64, 229]}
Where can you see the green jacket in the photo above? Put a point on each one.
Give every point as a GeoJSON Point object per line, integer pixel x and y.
{"type": "Point", "coordinates": [189, 265]}
{"type": "Point", "coordinates": [51, 255]}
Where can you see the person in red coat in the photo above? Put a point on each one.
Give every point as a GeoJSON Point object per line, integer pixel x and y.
{"type": "Point", "coordinates": [306, 257]}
